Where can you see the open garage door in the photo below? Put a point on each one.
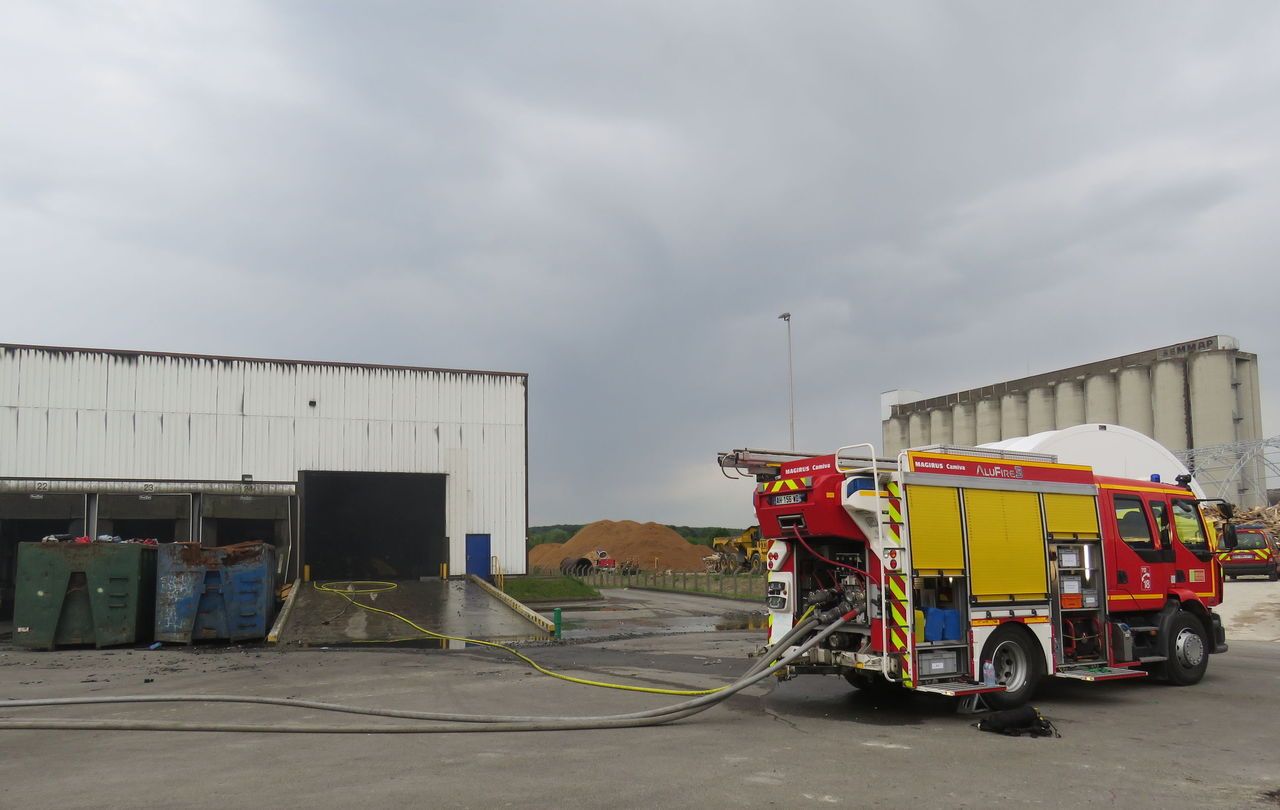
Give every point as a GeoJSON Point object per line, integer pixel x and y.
{"type": "Point", "coordinates": [366, 525]}
{"type": "Point", "coordinates": [26, 519]}
{"type": "Point", "coordinates": [163, 518]}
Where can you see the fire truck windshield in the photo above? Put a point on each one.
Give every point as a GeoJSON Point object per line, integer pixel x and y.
{"type": "Point", "coordinates": [1186, 517]}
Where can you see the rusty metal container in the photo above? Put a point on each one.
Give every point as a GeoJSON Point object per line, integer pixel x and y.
{"type": "Point", "coordinates": [223, 593]}
{"type": "Point", "coordinates": [83, 593]}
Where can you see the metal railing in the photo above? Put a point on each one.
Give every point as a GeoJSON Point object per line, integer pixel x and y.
{"type": "Point", "coordinates": [745, 586]}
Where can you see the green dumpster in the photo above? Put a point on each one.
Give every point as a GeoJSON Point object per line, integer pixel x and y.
{"type": "Point", "coordinates": [84, 593]}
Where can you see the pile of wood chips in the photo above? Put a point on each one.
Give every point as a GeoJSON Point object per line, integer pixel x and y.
{"type": "Point", "coordinates": [651, 546]}
{"type": "Point", "coordinates": [1268, 516]}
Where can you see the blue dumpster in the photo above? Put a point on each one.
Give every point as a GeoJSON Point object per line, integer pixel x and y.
{"type": "Point", "coordinates": [215, 593]}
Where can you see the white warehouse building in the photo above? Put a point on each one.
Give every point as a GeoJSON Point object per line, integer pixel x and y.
{"type": "Point", "coordinates": [357, 471]}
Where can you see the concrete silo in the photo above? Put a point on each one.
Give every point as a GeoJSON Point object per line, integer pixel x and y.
{"type": "Point", "coordinates": [1040, 410]}
{"type": "Point", "coordinates": [964, 425]}
{"type": "Point", "coordinates": [1200, 398]}
{"type": "Point", "coordinates": [988, 421]}
{"type": "Point", "coordinates": [918, 429]}
{"type": "Point", "coordinates": [895, 434]}
{"type": "Point", "coordinates": [940, 426]}
{"type": "Point", "coordinates": [1068, 404]}
{"type": "Point", "coordinates": [1013, 415]}
{"type": "Point", "coordinates": [1170, 415]}
{"type": "Point", "coordinates": [1100, 399]}
{"type": "Point", "coordinates": [1134, 406]}
{"type": "Point", "coordinates": [1210, 378]}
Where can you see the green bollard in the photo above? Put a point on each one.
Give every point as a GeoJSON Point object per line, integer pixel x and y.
{"type": "Point", "coordinates": [555, 616]}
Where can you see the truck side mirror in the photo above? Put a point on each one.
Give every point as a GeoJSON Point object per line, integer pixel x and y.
{"type": "Point", "coordinates": [1229, 539]}
{"type": "Point", "coordinates": [1227, 509]}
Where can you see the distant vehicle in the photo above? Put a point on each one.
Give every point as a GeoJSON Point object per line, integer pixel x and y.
{"type": "Point", "coordinates": [1256, 553]}
{"type": "Point", "coordinates": [741, 553]}
{"type": "Point", "coordinates": [598, 560]}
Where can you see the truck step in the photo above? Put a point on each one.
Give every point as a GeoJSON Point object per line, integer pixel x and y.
{"type": "Point", "coordinates": [1146, 628]}
{"type": "Point", "coordinates": [1091, 674]}
{"type": "Point", "coordinates": [958, 688]}
{"type": "Point", "coordinates": [1153, 659]}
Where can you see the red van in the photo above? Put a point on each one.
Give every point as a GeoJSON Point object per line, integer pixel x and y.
{"type": "Point", "coordinates": [1255, 553]}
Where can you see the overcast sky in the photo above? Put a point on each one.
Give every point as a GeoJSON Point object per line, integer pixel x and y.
{"type": "Point", "coordinates": [620, 198]}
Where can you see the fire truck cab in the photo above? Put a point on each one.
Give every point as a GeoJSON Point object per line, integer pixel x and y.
{"type": "Point", "coordinates": [979, 571]}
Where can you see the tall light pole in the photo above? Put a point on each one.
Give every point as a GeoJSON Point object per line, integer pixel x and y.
{"type": "Point", "coordinates": [791, 379]}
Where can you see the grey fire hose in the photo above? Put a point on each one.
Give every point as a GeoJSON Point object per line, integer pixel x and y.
{"type": "Point", "coordinates": [764, 662]}
{"type": "Point", "coordinates": [444, 723]}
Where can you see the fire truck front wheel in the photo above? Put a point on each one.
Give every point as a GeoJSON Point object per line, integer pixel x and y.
{"type": "Point", "coordinates": [1188, 650]}
{"type": "Point", "coordinates": [1018, 662]}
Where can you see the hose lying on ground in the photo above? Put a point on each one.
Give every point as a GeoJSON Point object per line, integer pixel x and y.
{"type": "Point", "coordinates": [452, 724]}
{"type": "Point", "coordinates": [297, 703]}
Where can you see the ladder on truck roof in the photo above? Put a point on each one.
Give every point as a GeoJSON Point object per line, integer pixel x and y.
{"type": "Point", "coordinates": [752, 462]}
{"type": "Point", "coordinates": [890, 542]}
{"type": "Point", "coordinates": [988, 452]}
{"type": "Point", "coordinates": [755, 462]}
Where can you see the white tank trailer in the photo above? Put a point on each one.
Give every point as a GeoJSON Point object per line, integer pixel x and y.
{"type": "Point", "coordinates": [1109, 449]}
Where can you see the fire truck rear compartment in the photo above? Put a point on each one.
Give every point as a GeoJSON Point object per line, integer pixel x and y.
{"type": "Point", "coordinates": [941, 634]}
{"type": "Point", "coordinates": [831, 589]}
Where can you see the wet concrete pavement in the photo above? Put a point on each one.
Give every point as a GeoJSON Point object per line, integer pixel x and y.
{"type": "Point", "coordinates": [628, 612]}
{"type": "Point", "coordinates": [454, 608]}
{"type": "Point", "coordinates": [810, 742]}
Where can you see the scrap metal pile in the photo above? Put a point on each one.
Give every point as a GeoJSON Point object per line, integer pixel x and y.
{"type": "Point", "coordinates": [102, 538]}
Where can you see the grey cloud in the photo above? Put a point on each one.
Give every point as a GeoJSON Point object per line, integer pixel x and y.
{"type": "Point", "coordinates": [620, 198]}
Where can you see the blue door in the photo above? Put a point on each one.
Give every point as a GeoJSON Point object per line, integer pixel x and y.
{"type": "Point", "coordinates": [478, 555]}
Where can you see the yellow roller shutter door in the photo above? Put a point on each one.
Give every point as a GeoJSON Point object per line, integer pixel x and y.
{"type": "Point", "coordinates": [1071, 515]}
{"type": "Point", "coordinates": [1007, 552]}
{"type": "Point", "coordinates": [937, 540]}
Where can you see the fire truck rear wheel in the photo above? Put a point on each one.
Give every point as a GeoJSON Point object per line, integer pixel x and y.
{"type": "Point", "coordinates": [1275, 574]}
{"type": "Point", "coordinates": [1019, 665]}
{"type": "Point", "coordinates": [869, 682]}
{"type": "Point", "coordinates": [1188, 650]}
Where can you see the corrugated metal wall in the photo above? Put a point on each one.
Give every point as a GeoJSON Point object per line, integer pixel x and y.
{"type": "Point", "coordinates": [101, 415]}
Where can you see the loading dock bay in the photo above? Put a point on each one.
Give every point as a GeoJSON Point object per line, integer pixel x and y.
{"type": "Point", "coordinates": [454, 608]}
{"type": "Point", "coordinates": [373, 525]}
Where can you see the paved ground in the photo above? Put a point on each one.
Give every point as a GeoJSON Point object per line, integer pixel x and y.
{"type": "Point", "coordinates": [455, 608]}
{"type": "Point", "coordinates": [808, 742]}
{"type": "Point", "coordinates": [1251, 610]}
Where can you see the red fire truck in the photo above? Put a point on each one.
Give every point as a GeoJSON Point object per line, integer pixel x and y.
{"type": "Point", "coordinates": [975, 571]}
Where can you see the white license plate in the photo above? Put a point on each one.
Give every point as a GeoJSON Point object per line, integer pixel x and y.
{"type": "Point", "coordinates": [1242, 556]}
{"type": "Point", "coordinates": [783, 500]}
